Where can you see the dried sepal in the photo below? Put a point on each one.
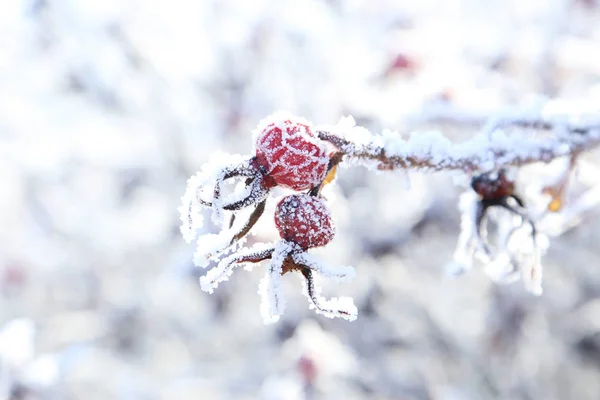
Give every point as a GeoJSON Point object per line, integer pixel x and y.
{"type": "Point", "coordinates": [214, 246]}
{"type": "Point", "coordinates": [336, 307]}
{"type": "Point", "coordinates": [516, 250]}
{"type": "Point", "coordinates": [255, 254]}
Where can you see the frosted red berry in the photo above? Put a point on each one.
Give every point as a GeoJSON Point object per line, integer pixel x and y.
{"type": "Point", "coordinates": [304, 220]}
{"type": "Point", "coordinates": [289, 153]}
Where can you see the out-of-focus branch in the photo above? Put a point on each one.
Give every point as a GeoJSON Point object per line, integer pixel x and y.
{"type": "Point", "coordinates": [491, 148]}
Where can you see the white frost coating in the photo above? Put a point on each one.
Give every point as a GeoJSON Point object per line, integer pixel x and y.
{"type": "Point", "coordinates": [241, 191]}
{"type": "Point", "coordinates": [342, 273]}
{"type": "Point", "coordinates": [527, 252]}
{"type": "Point", "coordinates": [270, 288]}
{"type": "Point", "coordinates": [224, 269]}
{"type": "Point", "coordinates": [574, 112]}
{"type": "Point", "coordinates": [517, 252]}
{"type": "Point", "coordinates": [468, 241]}
{"type": "Point", "coordinates": [336, 307]}
{"type": "Point", "coordinates": [201, 186]}
{"type": "Point", "coordinates": [489, 149]}
{"type": "Point", "coordinates": [190, 210]}
{"type": "Point", "coordinates": [347, 129]}
{"type": "Point", "coordinates": [361, 139]}
{"type": "Point", "coordinates": [501, 269]}
{"type": "Point", "coordinates": [431, 145]}
{"type": "Point", "coordinates": [277, 119]}
{"type": "Point", "coordinates": [209, 245]}
{"type": "Point", "coordinates": [533, 273]}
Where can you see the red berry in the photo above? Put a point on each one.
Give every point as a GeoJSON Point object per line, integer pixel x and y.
{"type": "Point", "coordinates": [290, 153]}
{"type": "Point", "coordinates": [304, 220]}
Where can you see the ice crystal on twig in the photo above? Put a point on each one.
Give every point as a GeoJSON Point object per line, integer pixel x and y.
{"type": "Point", "coordinates": [305, 259]}
{"type": "Point", "coordinates": [270, 288]}
{"type": "Point", "coordinates": [488, 150]}
{"type": "Point", "coordinates": [193, 202]}
{"type": "Point", "coordinates": [224, 269]}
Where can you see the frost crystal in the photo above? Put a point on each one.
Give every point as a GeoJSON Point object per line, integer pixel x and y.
{"type": "Point", "coordinates": [199, 188]}
{"type": "Point", "coordinates": [468, 241]}
{"type": "Point", "coordinates": [270, 287]}
{"type": "Point", "coordinates": [336, 307]}
{"type": "Point", "coordinates": [517, 249]}
{"type": "Point", "coordinates": [342, 273]}
{"type": "Point", "coordinates": [224, 269]}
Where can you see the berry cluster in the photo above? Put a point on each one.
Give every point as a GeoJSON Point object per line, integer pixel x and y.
{"type": "Point", "coordinates": [290, 154]}
{"type": "Point", "coordinates": [287, 155]}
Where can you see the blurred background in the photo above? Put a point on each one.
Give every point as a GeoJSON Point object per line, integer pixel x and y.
{"type": "Point", "coordinates": [107, 107]}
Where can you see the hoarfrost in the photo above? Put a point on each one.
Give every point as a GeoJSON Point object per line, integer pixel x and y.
{"type": "Point", "coordinates": [277, 119]}
{"type": "Point", "coordinates": [468, 242]}
{"type": "Point", "coordinates": [336, 307]}
{"type": "Point", "coordinates": [517, 251]}
{"type": "Point", "coordinates": [210, 245]}
{"type": "Point", "coordinates": [201, 187]}
{"type": "Point", "coordinates": [342, 273]}
{"type": "Point", "coordinates": [489, 149]}
{"type": "Point", "coordinates": [270, 288]}
{"type": "Point", "coordinates": [224, 269]}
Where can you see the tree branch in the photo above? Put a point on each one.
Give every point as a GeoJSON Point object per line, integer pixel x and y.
{"type": "Point", "coordinates": [491, 148]}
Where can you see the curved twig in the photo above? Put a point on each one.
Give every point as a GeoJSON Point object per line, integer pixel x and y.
{"type": "Point", "coordinates": [314, 297]}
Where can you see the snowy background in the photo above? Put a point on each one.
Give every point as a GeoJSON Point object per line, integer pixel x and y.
{"type": "Point", "coordinates": [107, 107]}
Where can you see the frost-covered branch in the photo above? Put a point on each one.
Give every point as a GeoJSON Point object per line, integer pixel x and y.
{"type": "Point", "coordinates": [492, 148]}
